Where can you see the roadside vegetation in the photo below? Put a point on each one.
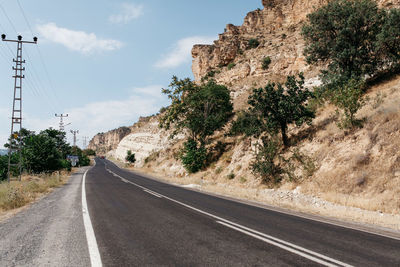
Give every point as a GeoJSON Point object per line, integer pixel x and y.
{"type": "Point", "coordinates": [44, 165]}
{"type": "Point", "coordinates": [358, 42]}
{"type": "Point", "coordinates": [16, 194]}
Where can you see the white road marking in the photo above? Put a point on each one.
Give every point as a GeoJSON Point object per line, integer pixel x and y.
{"type": "Point", "coordinates": [94, 253]}
{"type": "Point", "coordinates": [261, 236]}
{"type": "Point", "coordinates": [153, 193]}
{"type": "Point", "coordinates": [290, 249]}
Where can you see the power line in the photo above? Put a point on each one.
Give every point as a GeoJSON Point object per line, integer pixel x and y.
{"type": "Point", "coordinates": [39, 52]}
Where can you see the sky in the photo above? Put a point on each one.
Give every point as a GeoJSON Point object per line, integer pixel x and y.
{"type": "Point", "coordinates": [103, 62]}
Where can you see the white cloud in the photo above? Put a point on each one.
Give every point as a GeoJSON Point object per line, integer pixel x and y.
{"type": "Point", "coordinates": [85, 43]}
{"type": "Point", "coordinates": [103, 116]}
{"type": "Point", "coordinates": [181, 51]}
{"type": "Point", "coordinates": [128, 12]}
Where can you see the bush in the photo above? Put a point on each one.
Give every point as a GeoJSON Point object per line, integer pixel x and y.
{"type": "Point", "coordinates": [3, 167]}
{"type": "Point", "coordinates": [264, 163]}
{"type": "Point", "coordinates": [231, 65]}
{"type": "Point", "coordinates": [253, 43]}
{"type": "Point", "coordinates": [130, 157]}
{"type": "Point", "coordinates": [66, 165]}
{"type": "Point", "coordinates": [193, 157]}
{"type": "Point", "coordinates": [231, 176]}
{"type": "Point", "coordinates": [89, 152]}
{"type": "Point", "coordinates": [350, 99]}
{"type": "Point", "coordinates": [265, 63]}
{"type": "Point", "coordinates": [248, 124]}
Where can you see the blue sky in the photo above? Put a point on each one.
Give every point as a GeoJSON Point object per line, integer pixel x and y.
{"type": "Point", "coordinates": [103, 62]}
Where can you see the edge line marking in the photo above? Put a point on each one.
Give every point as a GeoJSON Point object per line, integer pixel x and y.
{"type": "Point", "coordinates": [94, 253]}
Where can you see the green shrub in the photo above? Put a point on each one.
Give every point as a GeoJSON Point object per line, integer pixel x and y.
{"type": "Point", "coordinates": [193, 157]}
{"type": "Point", "coordinates": [265, 63]}
{"type": "Point", "coordinates": [264, 163]}
{"type": "Point", "coordinates": [130, 157]}
{"type": "Point", "coordinates": [3, 167]}
{"type": "Point", "coordinates": [89, 152]}
{"type": "Point", "coordinates": [253, 43]}
{"type": "Point", "coordinates": [349, 98]}
{"type": "Point", "coordinates": [231, 65]}
{"type": "Point", "coordinates": [248, 124]}
{"type": "Point", "coordinates": [218, 170]}
{"type": "Point", "coordinates": [231, 176]}
{"type": "Point", "coordinates": [66, 165]}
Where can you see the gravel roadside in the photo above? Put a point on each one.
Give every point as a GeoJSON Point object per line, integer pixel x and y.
{"type": "Point", "coordinates": [48, 233]}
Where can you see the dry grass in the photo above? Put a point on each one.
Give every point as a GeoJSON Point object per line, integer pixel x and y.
{"type": "Point", "coordinates": [17, 194]}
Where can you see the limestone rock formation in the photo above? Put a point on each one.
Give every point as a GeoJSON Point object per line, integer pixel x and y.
{"type": "Point", "coordinates": [104, 142]}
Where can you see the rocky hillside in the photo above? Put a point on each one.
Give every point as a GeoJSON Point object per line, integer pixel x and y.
{"type": "Point", "coordinates": [359, 168]}
{"type": "Point", "coordinates": [104, 142]}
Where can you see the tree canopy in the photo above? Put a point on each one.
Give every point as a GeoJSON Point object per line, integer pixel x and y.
{"type": "Point", "coordinates": [277, 106]}
{"type": "Point", "coordinates": [355, 38]}
{"type": "Point", "coordinates": [200, 109]}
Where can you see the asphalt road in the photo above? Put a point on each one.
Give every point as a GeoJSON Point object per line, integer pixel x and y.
{"type": "Point", "coordinates": [131, 220]}
{"type": "Point", "coordinates": [139, 222]}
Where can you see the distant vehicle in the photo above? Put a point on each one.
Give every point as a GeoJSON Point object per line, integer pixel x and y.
{"type": "Point", "coordinates": [102, 157]}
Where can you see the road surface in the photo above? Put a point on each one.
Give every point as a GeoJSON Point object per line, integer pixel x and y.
{"type": "Point", "coordinates": [112, 217]}
{"type": "Point", "coordinates": [139, 221]}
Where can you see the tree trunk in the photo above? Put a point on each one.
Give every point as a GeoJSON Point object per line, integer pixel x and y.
{"type": "Point", "coordinates": [284, 136]}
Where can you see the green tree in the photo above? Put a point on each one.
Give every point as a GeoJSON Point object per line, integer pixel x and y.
{"type": "Point", "coordinates": [344, 34]}
{"type": "Point", "coordinates": [59, 138]}
{"type": "Point", "coordinates": [198, 109]}
{"type": "Point", "coordinates": [40, 154]}
{"type": "Point", "coordinates": [130, 157]}
{"type": "Point", "coordinates": [388, 40]}
{"type": "Point", "coordinates": [277, 106]}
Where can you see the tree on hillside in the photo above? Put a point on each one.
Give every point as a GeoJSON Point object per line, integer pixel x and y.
{"type": "Point", "coordinates": [388, 40]}
{"type": "Point", "coordinates": [345, 33]}
{"type": "Point", "coordinates": [276, 106]}
{"type": "Point", "coordinates": [198, 109]}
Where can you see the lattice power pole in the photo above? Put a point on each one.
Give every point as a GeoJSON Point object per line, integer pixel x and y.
{"type": "Point", "coordinates": [16, 117]}
{"type": "Point", "coordinates": [84, 141]}
{"type": "Point", "coordinates": [75, 133]}
{"type": "Point", "coordinates": [62, 126]}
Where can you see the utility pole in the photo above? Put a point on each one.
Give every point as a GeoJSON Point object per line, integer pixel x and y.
{"type": "Point", "coordinates": [84, 141]}
{"type": "Point", "coordinates": [61, 116]}
{"type": "Point", "coordinates": [16, 117]}
{"type": "Point", "coordinates": [75, 133]}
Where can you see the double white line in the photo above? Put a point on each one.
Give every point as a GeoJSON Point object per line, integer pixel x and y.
{"type": "Point", "coordinates": [298, 250]}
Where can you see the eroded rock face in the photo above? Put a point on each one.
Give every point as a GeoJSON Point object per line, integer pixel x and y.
{"type": "Point", "coordinates": [104, 142]}
{"type": "Point", "coordinates": [145, 139]}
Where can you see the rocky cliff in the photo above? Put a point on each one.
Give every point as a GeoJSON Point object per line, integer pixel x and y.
{"type": "Point", "coordinates": [104, 142]}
